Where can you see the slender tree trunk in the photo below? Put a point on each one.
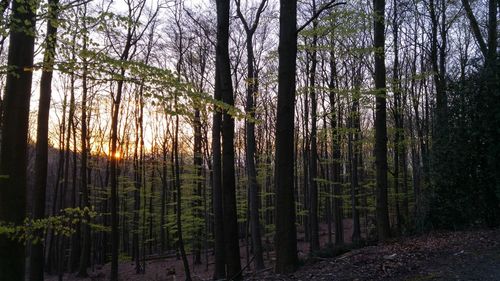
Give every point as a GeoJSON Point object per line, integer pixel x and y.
{"type": "Point", "coordinates": [250, 146]}
{"type": "Point", "coordinates": [164, 190]}
{"type": "Point", "coordinates": [115, 235]}
{"type": "Point", "coordinates": [198, 163]}
{"type": "Point", "coordinates": [397, 113]}
{"type": "Point", "coordinates": [179, 199]}
{"type": "Point", "coordinates": [151, 208]}
{"type": "Point", "coordinates": [37, 253]}
{"type": "Point", "coordinates": [306, 157]}
{"type": "Point", "coordinates": [67, 153]}
{"type": "Point", "coordinates": [86, 246]}
{"type": "Point", "coordinates": [313, 164]}
{"type": "Point", "coordinates": [354, 151]}
{"type": "Point", "coordinates": [52, 255]}
{"type": "Point", "coordinates": [137, 196]}
{"type": "Point", "coordinates": [337, 201]}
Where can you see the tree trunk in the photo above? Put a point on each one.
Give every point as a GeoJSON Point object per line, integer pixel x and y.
{"type": "Point", "coordinates": [337, 201]}
{"type": "Point", "coordinates": [180, 242]}
{"type": "Point", "coordinates": [220, 264]}
{"type": "Point", "coordinates": [85, 253]}
{"type": "Point", "coordinates": [37, 253]}
{"type": "Point", "coordinates": [354, 151]}
{"type": "Point", "coordinates": [250, 146]}
{"type": "Point", "coordinates": [198, 163]}
{"type": "Point", "coordinates": [382, 211]}
{"type": "Point", "coordinates": [396, 89]}
{"type": "Point", "coordinates": [232, 248]}
{"type": "Point", "coordinates": [313, 154]}
{"type": "Point", "coordinates": [286, 235]}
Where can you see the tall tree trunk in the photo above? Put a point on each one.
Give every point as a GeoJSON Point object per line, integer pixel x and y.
{"type": "Point", "coordinates": [52, 256]}
{"type": "Point", "coordinates": [13, 156]}
{"type": "Point", "coordinates": [250, 146]}
{"type": "Point", "coordinates": [137, 166]}
{"type": "Point", "coordinates": [305, 156]}
{"type": "Point", "coordinates": [198, 163]}
{"type": "Point", "coordinates": [86, 246]}
{"type": "Point", "coordinates": [151, 208]}
{"type": "Point", "coordinates": [113, 158]}
{"type": "Point", "coordinates": [67, 153]}
{"type": "Point", "coordinates": [74, 253]}
{"type": "Point", "coordinates": [354, 151]}
{"type": "Point", "coordinates": [286, 235]}
{"type": "Point", "coordinates": [37, 253]}
{"type": "Point", "coordinates": [313, 154]}
{"type": "Point", "coordinates": [232, 249]}
{"type": "Point", "coordinates": [220, 264]}
{"type": "Point", "coordinates": [164, 191]}
{"type": "Point", "coordinates": [382, 211]}
{"type": "Point", "coordinates": [335, 125]}
{"type": "Point", "coordinates": [180, 242]}
{"type": "Point", "coordinates": [396, 89]}
{"type": "Point", "coordinates": [76, 239]}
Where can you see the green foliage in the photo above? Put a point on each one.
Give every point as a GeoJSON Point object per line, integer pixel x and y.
{"type": "Point", "coordinates": [34, 230]}
{"type": "Point", "coordinates": [465, 157]}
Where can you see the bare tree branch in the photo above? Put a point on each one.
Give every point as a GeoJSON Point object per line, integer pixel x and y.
{"type": "Point", "coordinates": [475, 28]}
{"type": "Point", "coordinates": [203, 28]}
{"type": "Point", "coordinates": [323, 8]}
{"type": "Point", "coordinates": [260, 10]}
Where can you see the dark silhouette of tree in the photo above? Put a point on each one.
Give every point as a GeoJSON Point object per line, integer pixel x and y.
{"type": "Point", "coordinates": [14, 135]}
{"type": "Point", "coordinates": [232, 248]}
{"type": "Point", "coordinates": [37, 254]}
{"type": "Point", "coordinates": [84, 171]}
{"type": "Point", "coordinates": [252, 90]}
{"type": "Point", "coordinates": [383, 228]}
{"type": "Point", "coordinates": [285, 240]}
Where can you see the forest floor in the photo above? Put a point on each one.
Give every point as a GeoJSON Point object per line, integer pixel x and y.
{"type": "Point", "coordinates": [462, 255]}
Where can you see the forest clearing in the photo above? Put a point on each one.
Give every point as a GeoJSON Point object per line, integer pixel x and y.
{"type": "Point", "coordinates": [249, 139]}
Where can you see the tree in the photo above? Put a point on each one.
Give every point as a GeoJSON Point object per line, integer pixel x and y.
{"type": "Point", "coordinates": [232, 248]}
{"type": "Point", "coordinates": [354, 152]}
{"type": "Point", "coordinates": [37, 253]}
{"type": "Point", "coordinates": [383, 228]}
{"type": "Point", "coordinates": [285, 240]}
{"type": "Point", "coordinates": [14, 135]}
{"type": "Point", "coordinates": [313, 156]}
{"type": "Point", "coordinates": [177, 182]}
{"type": "Point", "coordinates": [252, 90]}
{"type": "Point", "coordinates": [84, 175]}
{"type": "Point", "coordinates": [336, 139]}
{"type": "Point", "coordinates": [220, 257]}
